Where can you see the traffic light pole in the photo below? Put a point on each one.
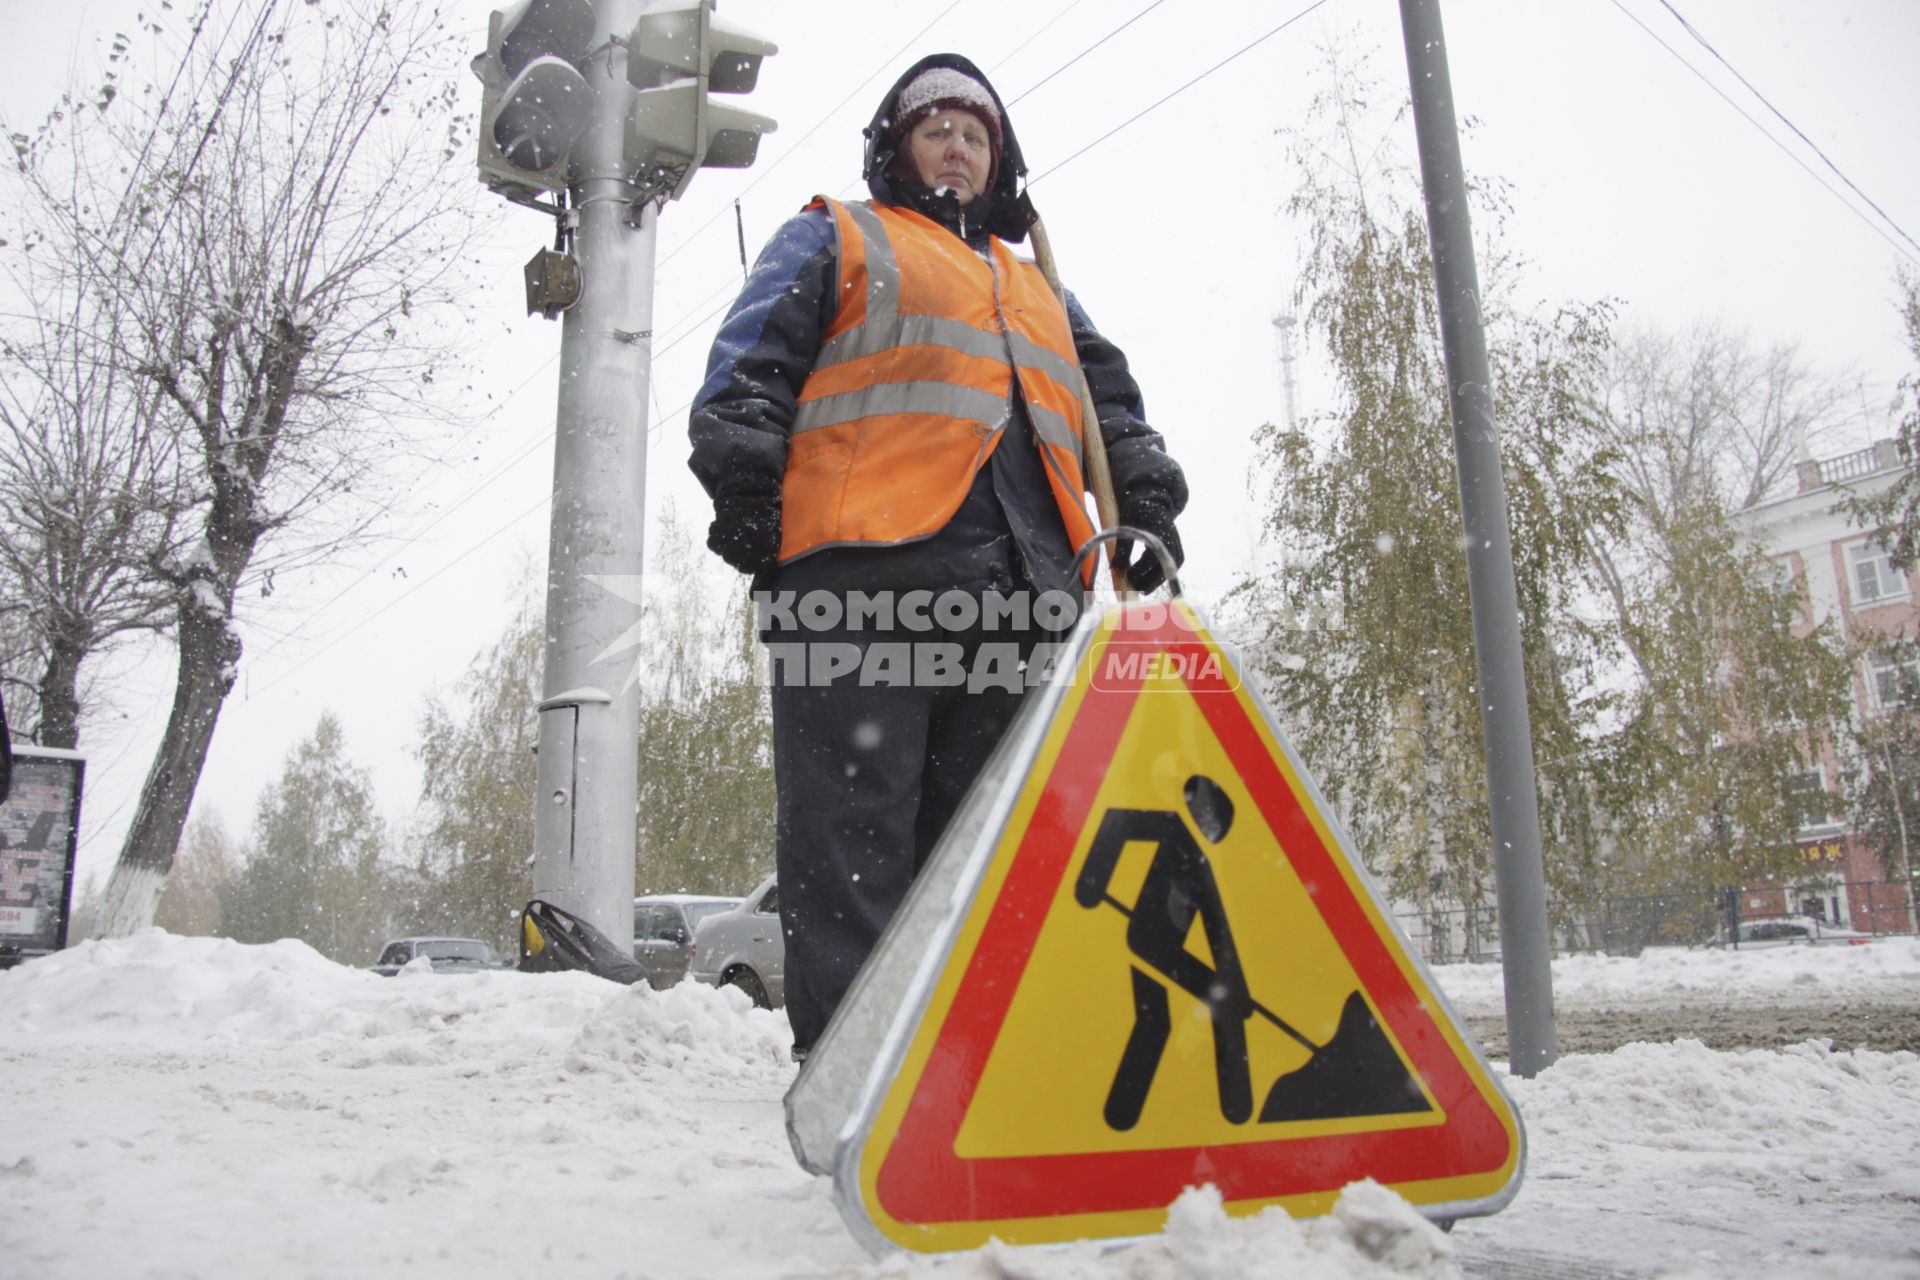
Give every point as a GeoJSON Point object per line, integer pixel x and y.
{"type": "Point", "coordinates": [590, 715]}
{"type": "Point", "coordinates": [1519, 878]}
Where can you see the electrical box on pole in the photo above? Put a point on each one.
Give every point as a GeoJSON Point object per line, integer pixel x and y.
{"type": "Point", "coordinates": [596, 112]}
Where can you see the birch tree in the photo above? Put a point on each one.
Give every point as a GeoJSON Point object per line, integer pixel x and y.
{"type": "Point", "coordinates": [281, 220]}
{"type": "Point", "coordinates": [1724, 693]}
{"type": "Point", "coordinates": [1897, 509]}
{"type": "Point", "coordinates": [478, 773]}
{"type": "Point", "coordinates": [1368, 639]}
{"type": "Point", "coordinates": [315, 859]}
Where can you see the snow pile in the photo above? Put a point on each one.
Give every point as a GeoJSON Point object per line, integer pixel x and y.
{"type": "Point", "coordinates": [1786, 1123]}
{"type": "Point", "coordinates": [690, 1028]}
{"type": "Point", "coordinates": [1805, 1103]}
{"type": "Point", "coordinates": [1372, 1234]}
{"type": "Point", "coordinates": [258, 1110]}
{"type": "Point", "coordinates": [167, 990]}
{"type": "Point", "coordinates": [1797, 1161]}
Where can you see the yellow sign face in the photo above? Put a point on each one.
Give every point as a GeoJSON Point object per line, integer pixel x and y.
{"type": "Point", "coordinates": [1171, 972]}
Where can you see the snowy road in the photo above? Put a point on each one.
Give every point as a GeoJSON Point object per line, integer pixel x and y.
{"type": "Point", "coordinates": [1886, 1025]}
{"type": "Point", "coordinates": [1725, 1000]}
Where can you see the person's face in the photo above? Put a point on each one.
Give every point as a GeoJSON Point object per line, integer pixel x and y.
{"type": "Point", "coordinates": [951, 148]}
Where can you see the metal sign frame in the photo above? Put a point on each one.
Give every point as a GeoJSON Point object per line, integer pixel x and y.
{"type": "Point", "coordinates": [833, 1106]}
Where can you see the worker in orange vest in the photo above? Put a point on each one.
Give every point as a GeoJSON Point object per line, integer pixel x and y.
{"type": "Point", "coordinates": [890, 430]}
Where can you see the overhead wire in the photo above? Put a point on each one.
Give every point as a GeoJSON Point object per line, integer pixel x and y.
{"type": "Point", "coordinates": [358, 624]}
{"type": "Point", "coordinates": [422, 530]}
{"type": "Point", "coordinates": [1782, 117]}
{"type": "Point", "coordinates": [1084, 52]}
{"type": "Point", "coordinates": [1767, 134]}
{"type": "Point", "coordinates": [1169, 97]}
{"type": "Point", "coordinates": [1039, 31]}
{"type": "Point", "coordinates": [212, 127]}
{"type": "Point", "coordinates": [686, 330]}
{"type": "Point", "coordinates": [660, 419]}
{"type": "Point", "coordinates": [687, 240]}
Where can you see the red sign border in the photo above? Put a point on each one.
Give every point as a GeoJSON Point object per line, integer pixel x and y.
{"type": "Point", "coordinates": [922, 1180]}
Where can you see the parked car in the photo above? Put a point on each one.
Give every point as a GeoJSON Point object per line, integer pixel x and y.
{"type": "Point", "coordinates": [1786, 931]}
{"type": "Point", "coordinates": [745, 948]}
{"type": "Point", "coordinates": [663, 929]}
{"type": "Point", "coordinates": [446, 955]}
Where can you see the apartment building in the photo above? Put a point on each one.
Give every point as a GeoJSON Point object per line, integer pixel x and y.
{"type": "Point", "coordinates": [1848, 577]}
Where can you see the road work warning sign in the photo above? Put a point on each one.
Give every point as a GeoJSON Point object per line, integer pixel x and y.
{"type": "Point", "coordinates": [1159, 967]}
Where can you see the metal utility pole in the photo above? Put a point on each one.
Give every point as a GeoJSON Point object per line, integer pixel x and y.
{"type": "Point", "coordinates": [604, 103]}
{"type": "Point", "coordinates": [583, 837]}
{"type": "Point", "coordinates": [1519, 879]}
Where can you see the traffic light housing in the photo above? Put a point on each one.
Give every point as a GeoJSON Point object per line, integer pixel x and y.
{"type": "Point", "coordinates": [678, 54]}
{"type": "Point", "coordinates": [535, 103]}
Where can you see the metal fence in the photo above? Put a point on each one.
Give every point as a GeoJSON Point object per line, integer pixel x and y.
{"type": "Point", "coordinates": [1627, 924]}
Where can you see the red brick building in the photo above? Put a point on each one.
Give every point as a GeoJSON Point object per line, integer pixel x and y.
{"type": "Point", "coordinates": [1848, 577]}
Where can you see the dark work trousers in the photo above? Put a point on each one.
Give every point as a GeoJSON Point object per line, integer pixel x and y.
{"type": "Point", "coordinates": [868, 776]}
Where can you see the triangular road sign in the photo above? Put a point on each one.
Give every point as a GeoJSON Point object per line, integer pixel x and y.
{"type": "Point", "coordinates": [1145, 962]}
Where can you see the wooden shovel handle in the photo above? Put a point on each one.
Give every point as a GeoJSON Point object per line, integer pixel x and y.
{"type": "Point", "coordinates": [1093, 445]}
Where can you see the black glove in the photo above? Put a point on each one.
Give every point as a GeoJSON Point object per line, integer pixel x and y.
{"type": "Point", "coordinates": [746, 531]}
{"type": "Point", "coordinates": [1149, 512]}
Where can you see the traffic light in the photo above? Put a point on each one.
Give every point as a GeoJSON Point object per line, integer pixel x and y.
{"type": "Point", "coordinates": [678, 54]}
{"type": "Point", "coordinates": [535, 103]}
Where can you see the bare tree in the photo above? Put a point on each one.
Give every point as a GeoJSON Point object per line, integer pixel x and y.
{"type": "Point", "coordinates": [93, 498]}
{"type": "Point", "coordinates": [91, 492]}
{"type": "Point", "coordinates": [1721, 692]}
{"type": "Point", "coordinates": [1706, 415]}
{"type": "Point", "coordinates": [280, 224]}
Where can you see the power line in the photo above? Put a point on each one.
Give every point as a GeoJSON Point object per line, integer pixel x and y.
{"type": "Point", "coordinates": [206, 134]}
{"type": "Point", "coordinates": [1781, 116]}
{"type": "Point", "coordinates": [1784, 148]}
{"type": "Point", "coordinates": [686, 241]}
{"type": "Point", "coordinates": [290, 671]}
{"type": "Point", "coordinates": [688, 329]}
{"type": "Point", "coordinates": [166, 100]}
{"type": "Point", "coordinates": [442, 514]}
{"type": "Point", "coordinates": [1162, 101]}
{"type": "Point", "coordinates": [1039, 31]}
{"type": "Point", "coordinates": [1084, 52]}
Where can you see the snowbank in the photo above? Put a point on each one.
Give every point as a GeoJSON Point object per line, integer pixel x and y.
{"type": "Point", "coordinates": [258, 1110]}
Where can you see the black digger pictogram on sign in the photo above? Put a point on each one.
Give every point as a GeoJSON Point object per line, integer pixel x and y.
{"type": "Point", "coordinates": [1355, 1073]}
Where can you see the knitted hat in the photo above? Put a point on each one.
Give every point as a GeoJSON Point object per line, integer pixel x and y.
{"type": "Point", "coordinates": [938, 87]}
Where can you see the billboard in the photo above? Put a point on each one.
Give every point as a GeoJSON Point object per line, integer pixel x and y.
{"type": "Point", "coordinates": [39, 836]}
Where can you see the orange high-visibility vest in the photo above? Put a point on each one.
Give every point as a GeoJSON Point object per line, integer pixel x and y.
{"type": "Point", "coordinates": [909, 394]}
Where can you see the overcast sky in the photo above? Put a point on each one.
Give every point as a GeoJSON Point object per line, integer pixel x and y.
{"type": "Point", "coordinates": [1632, 178]}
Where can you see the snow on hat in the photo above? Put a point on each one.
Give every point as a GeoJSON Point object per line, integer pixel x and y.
{"type": "Point", "coordinates": [946, 87]}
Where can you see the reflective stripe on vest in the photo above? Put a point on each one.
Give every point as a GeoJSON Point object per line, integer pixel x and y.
{"type": "Point", "coordinates": [909, 392]}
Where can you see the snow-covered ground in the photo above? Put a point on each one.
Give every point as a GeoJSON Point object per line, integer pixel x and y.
{"type": "Point", "coordinates": [187, 1107]}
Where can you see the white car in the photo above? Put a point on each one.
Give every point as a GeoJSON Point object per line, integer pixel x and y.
{"type": "Point", "coordinates": [745, 948]}
{"type": "Point", "coordinates": [1787, 931]}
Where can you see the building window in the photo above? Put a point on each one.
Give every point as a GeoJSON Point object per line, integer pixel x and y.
{"type": "Point", "coordinates": [1812, 803]}
{"type": "Point", "coordinates": [1893, 680]}
{"type": "Point", "coordinates": [1874, 577]}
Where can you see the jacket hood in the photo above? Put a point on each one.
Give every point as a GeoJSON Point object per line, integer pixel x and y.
{"type": "Point", "coordinates": [1008, 215]}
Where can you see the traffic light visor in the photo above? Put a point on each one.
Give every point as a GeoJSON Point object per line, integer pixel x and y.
{"type": "Point", "coordinates": [541, 113]}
